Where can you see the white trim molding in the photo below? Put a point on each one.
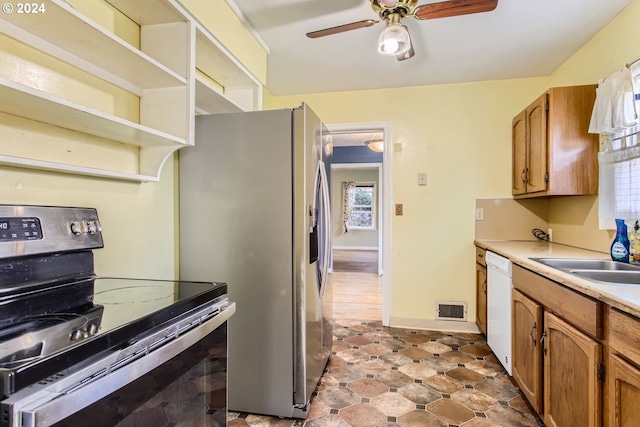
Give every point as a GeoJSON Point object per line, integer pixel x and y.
{"type": "Point", "coordinates": [356, 248]}
{"type": "Point", "coordinates": [386, 196]}
{"type": "Point", "coordinates": [435, 325]}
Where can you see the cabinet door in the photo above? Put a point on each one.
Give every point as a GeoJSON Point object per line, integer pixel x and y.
{"type": "Point", "coordinates": [537, 154]}
{"type": "Point", "coordinates": [624, 393]}
{"type": "Point", "coordinates": [519, 152]}
{"type": "Point", "coordinates": [481, 297]}
{"type": "Point", "coordinates": [527, 351]}
{"type": "Point", "coordinates": [572, 390]}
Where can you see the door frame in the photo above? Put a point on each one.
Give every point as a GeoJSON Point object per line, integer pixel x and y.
{"type": "Point", "coordinates": [379, 204]}
{"type": "Point", "coordinates": [386, 192]}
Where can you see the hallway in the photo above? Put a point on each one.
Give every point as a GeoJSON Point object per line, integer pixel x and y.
{"type": "Point", "coordinates": [357, 288]}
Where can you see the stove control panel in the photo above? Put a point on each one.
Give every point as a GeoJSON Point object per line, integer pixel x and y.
{"type": "Point", "coordinates": [36, 230]}
{"type": "Point", "coordinates": [16, 229]}
{"type": "Point", "coordinates": [81, 227]}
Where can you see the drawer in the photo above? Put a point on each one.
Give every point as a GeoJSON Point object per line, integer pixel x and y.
{"type": "Point", "coordinates": [581, 311]}
{"type": "Point", "coordinates": [624, 334]}
{"type": "Point", "coordinates": [481, 256]}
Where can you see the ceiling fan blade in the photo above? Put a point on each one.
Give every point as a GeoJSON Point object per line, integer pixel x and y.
{"type": "Point", "coordinates": [454, 8]}
{"type": "Point", "coordinates": [341, 28]}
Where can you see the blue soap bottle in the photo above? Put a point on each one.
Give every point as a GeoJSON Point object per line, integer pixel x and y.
{"type": "Point", "coordinates": [620, 245]}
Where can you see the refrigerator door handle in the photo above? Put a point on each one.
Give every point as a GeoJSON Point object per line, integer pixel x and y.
{"type": "Point", "coordinates": [327, 221]}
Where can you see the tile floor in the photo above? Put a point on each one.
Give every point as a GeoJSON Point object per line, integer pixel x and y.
{"type": "Point", "coordinates": [389, 377]}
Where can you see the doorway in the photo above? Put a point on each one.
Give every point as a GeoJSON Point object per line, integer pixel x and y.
{"type": "Point", "coordinates": [361, 266]}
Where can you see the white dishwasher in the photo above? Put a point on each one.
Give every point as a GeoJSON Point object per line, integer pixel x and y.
{"type": "Point", "coordinates": [499, 308]}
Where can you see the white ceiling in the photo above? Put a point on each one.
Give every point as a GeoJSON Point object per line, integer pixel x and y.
{"type": "Point", "coordinates": [519, 39]}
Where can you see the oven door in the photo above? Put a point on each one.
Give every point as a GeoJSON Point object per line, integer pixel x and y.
{"type": "Point", "coordinates": [175, 376]}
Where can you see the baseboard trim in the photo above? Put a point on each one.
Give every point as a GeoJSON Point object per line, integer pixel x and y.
{"type": "Point", "coordinates": [356, 248]}
{"type": "Point", "coordinates": [434, 325]}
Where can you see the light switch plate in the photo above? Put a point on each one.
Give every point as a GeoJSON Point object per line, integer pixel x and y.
{"type": "Point", "coordinates": [479, 214]}
{"type": "Point", "coordinates": [422, 178]}
{"type": "Point", "coordinates": [398, 208]}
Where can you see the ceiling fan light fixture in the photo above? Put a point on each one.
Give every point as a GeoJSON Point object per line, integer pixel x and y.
{"type": "Point", "coordinates": [376, 145]}
{"type": "Point", "coordinates": [394, 40]}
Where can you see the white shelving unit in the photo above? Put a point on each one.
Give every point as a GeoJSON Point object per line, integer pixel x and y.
{"type": "Point", "coordinates": [228, 86]}
{"type": "Point", "coordinates": [162, 73]}
{"type": "Point", "coordinates": [66, 34]}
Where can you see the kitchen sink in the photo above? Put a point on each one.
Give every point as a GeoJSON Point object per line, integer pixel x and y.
{"type": "Point", "coordinates": [598, 270]}
{"type": "Point", "coordinates": [610, 276]}
{"type": "Point", "coordinates": [586, 264]}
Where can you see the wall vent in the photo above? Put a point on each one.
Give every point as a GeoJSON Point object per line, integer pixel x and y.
{"type": "Point", "coordinates": [451, 310]}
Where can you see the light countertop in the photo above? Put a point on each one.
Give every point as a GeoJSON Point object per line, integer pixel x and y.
{"type": "Point", "coordinates": [624, 297]}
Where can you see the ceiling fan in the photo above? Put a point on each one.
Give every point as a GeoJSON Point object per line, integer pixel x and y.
{"type": "Point", "coordinates": [394, 39]}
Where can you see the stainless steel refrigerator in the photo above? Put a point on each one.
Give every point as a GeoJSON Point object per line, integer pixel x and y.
{"type": "Point", "coordinates": [255, 213]}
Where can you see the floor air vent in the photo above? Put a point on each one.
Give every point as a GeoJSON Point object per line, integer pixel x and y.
{"type": "Point", "coordinates": [451, 310]}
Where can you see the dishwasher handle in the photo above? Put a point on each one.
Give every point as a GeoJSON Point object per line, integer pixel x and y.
{"type": "Point", "coordinates": [498, 263]}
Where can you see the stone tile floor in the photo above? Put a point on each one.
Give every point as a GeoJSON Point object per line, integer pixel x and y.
{"type": "Point", "coordinates": [389, 377]}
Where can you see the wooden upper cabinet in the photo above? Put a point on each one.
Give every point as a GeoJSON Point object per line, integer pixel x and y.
{"type": "Point", "coordinates": [553, 154]}
{"type": "Point", "coordinates": [537, 154]}
{"type": "Point", "coordinates": [519, 151]}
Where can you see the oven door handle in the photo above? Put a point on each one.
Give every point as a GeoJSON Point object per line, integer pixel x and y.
{"type": "Point", "coordinates": [33, 413]}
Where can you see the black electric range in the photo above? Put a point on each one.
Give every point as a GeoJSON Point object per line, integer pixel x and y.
{"type": "Point", "coordinates": [62, 327]}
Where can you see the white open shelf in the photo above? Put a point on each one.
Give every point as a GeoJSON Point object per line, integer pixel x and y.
{"type": "Point", "coordinates": [210, 100]}
{"type": "Point", "coordinates": [73, 169]}
{"type": "Point", "coordinates": [66, 34]}
{"type": "Point", "coordinates": [239, 88]}
{"type": "Point", "coordinates": [24, 101]}
{"type": "Point", "coordinates": [150, 12]}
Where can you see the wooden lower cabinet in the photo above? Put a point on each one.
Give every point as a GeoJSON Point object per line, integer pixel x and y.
{"type": "Point", "coordinates": [557, 350]}
{"type": "Point", "coordinates": [527, 352]}
{"type": "Point", "coordinates": [624, 393]}
{"type": "Point", "coordinates": [481, 297]}
{"type": "Point", "coordinates": [572, 388]}
{"type": "Point", "coordinates": [623, 370]}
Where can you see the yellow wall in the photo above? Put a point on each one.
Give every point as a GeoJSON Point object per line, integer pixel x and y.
{"type": "Point", "coordinates": [575, 220]}
{"type": "Point", "coordinates": [460, 135]}
{"type": "Point", "coordinates": [137, 219]}
{"type": "Point", "coordinates": [230, 31]}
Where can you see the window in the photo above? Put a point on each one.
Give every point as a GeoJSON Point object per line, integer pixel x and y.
{"type": "Point", "coordinates": [619, 183]}
{"type": "Point", "coordinates": [619, 164]}
{"type": "Point", "coordinates": [363, 213]}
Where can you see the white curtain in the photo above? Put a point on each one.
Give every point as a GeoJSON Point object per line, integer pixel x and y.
{"type": "Point", "coordinates": [615, 118]}
{"type": "Point", "coordinates": [619, 181]}
{"type": "Point", "coordinates": [348, 199]}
